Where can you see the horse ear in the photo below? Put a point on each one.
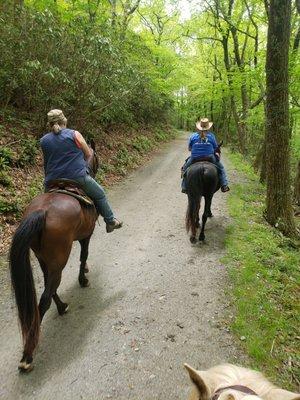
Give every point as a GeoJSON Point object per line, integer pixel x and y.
{"type": "Point", "coordinates": [93, 146]}
{"type": "Point", "coordinates": [221, 143]}
{"type": "Point", "coordinates": [198, 382]}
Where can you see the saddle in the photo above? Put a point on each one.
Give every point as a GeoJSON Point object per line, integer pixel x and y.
{"type": "Point", "coordinates": [72, 188]}
{"type": "Point", "coordinates": [208, 159]}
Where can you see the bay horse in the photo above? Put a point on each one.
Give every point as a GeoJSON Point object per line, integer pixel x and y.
{"type": "Point", "coordinates": [50, 224]}
{"type": "Point", "coordinates": [202, 181]}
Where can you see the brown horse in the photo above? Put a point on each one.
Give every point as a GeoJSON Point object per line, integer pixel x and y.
{"type": "Point", "coordinates": [51, 223]}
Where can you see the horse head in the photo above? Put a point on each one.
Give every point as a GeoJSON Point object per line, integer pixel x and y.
{"type": "Point", "coordinates": [230, 382]}
{"type": "Point", "coordinates": [93, 162]}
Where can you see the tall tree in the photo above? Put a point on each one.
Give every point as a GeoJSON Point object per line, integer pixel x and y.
{"type": "Point", "coordinates": [279, 205]}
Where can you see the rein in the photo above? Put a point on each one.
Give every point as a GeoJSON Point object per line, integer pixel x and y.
{"type": "Point", "coordinates": [240, 388]}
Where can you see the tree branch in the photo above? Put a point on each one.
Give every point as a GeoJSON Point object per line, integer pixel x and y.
{"type": "Point", "coordinates": [257, 102]}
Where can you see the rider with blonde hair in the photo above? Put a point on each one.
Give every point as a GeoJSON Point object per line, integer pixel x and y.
{"type": "Point", "coordinates": [203, 146]}
{"type": "Point", "coordinates": [66, 155]}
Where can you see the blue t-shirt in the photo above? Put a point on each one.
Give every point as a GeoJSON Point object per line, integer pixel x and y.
{"type": "Point", "coordinates": [202, 148]}
{"type": "Point", "coordinates": [210, 137]}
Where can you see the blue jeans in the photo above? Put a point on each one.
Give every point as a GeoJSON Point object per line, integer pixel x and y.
{"type": "Point", "coordinates": [97, 194]}
{"type": "Point", "coordinates": [218, 164]}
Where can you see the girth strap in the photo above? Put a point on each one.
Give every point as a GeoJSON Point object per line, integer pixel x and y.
{"type": "Point", "coordinates": [240, 388]}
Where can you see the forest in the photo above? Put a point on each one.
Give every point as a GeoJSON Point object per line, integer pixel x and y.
{"type": "Point", "coordinates": [132, 73]}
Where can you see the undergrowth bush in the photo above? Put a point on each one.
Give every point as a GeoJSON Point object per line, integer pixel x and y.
{"type": "Point", "coordinates": [28, 152]}
{"type": "Point", "coordinates": [85, 69]}
{"type": "Point", "coordinates": [6, 158]}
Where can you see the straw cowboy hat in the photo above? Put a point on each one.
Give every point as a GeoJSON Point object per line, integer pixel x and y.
{"type": "Point", "coordinates": [204, 124]}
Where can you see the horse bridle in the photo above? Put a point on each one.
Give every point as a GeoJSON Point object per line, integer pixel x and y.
{"type": "Point", "coordinates": [94, 165]}
{"type": "Point", "coordinates": [239, 388]}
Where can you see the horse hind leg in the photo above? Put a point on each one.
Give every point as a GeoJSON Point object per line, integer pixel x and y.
{"type": "Point", "coordinates": [205, 215]}
{"type": "Point", "coordinates": [83, 281]}
{"type": "Point", "coordinates": [52, 281]}
{"type": "Point", "coordinates": [62, 308]}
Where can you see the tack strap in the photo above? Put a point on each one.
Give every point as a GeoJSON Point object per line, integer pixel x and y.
{"type": "Point", "coordinates": [240, 388]}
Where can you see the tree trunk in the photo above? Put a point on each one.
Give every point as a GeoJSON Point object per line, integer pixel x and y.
{"type": "Point", "coordinates": [263, 168]}
{"type": "Point", "coordinates": [279, 205]}
{"type": "Point", "coordinates": [297, 186]}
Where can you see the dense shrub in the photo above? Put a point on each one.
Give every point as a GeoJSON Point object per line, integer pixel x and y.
{"type": "Point", "coordinates": [83, 68]}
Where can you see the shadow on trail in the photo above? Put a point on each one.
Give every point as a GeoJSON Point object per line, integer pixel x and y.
{"type": "Point", "coordinates": [216, 228]}
{"type": "Point", "coordinates": [64, 338]}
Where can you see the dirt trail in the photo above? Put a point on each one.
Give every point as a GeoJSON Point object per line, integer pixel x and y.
{"type": "Point", "coordinates": [154, 302]}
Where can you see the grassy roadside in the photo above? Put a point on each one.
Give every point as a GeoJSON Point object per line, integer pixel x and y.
{"type": "Point", "coordinates": [264, 270]}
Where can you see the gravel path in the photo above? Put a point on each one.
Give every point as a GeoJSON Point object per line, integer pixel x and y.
{"type": "Point", "coordinates": [155, 302]}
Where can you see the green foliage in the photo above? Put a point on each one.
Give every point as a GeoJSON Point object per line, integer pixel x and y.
{"type": "Point", "coordinates": [142, 144]}
{"type": "Point", "coordinates": [9, 206]}
{"type": "Point", "coordinates": [264, 269]}
{"type": "Point", "coordinates": [35, 188]}
{"type": "Point", "coordinates": [161, 135]}
{"type": "Point", "coordinates": [5, 180]}
{"type": "Point", "coordinates": [28, 152]}
{"type": "Point", "coordinates": [6, 158]}
{"type": "Point", "coordinates": [87, 68]}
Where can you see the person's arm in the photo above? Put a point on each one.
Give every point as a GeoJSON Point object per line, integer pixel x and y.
{"type": "Point", "coordinates": [216, 146]}
{"type": "Point", "coordinates": [213, 141]}
{"type": "Point", "coordinates": [81, 143]}
{"type": "Point", "coordinates": [191, 139]}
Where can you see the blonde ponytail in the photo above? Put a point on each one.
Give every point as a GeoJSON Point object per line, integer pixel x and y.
{"type": "Point", "coordinates": [56, 128]}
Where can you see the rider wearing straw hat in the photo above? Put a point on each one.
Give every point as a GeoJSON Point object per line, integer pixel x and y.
{"type": "Point", "coordinates": [203, 145]}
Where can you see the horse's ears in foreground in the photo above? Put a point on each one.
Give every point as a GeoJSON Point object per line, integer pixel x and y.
{"type": "Point", "coordinates": [201, 391]}
{"type": "Point", "coordinates": [206, 383]}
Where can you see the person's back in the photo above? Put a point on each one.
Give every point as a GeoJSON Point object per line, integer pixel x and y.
{"type": "Point", "coordinates": [66, 156]}
{"type": "Point", "coordinates": [62, 157]}
{"type": "Point", "coordinates": [201, 149]}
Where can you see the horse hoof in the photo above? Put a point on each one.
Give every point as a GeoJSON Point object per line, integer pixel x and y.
{"type": "Point", "coordinates": [202, 238]}
{"type": "Point", "coordinates": [63, 310]}
{"type": "Point", "coordinates": [25, 367]}
{"type": "Point", "coordinates": [86, 269]}
{"type": "Point", "coordinates": [193, 239]}
{"type": "Point", "coordinates": [84, 283]}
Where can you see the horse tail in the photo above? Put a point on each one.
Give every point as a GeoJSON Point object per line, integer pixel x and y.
{"type": "Point", "coordinates": [194, 198]}
{"type": "Point", "coordinates": [192, 213]}
{"type": "Point", "coordinates": [22, 278]}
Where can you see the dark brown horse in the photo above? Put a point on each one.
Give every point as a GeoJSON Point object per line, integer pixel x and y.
{"type": "Point", "coordinates": [51, 223]}
{"type": "Point", "coordinates": [202, 181]}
